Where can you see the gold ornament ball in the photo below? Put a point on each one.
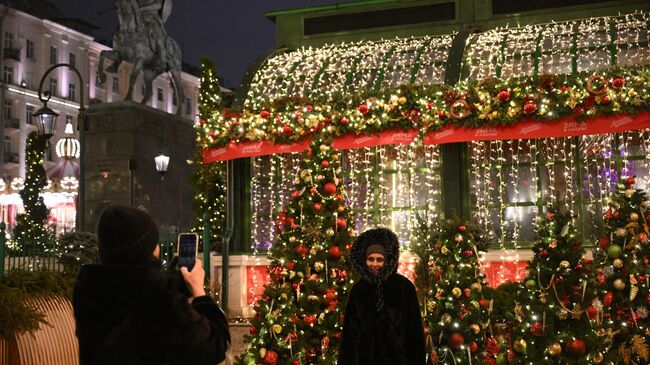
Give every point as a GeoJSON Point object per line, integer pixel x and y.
{"type": "Point", "coordinates": [431, 305]}
{"type": "Point", "coordinates": [262, 352]}
{"type": "Point", "coordinates": [319, 266]}
{"type": "Point", "coordinates": [330, 232]}
{"type": "Point", "coordinates": [634, 217]}
{"type": "Point", "coordinates": [520, 345]}
{"type": "Point", "coordinates": [297, 180]}
{"type": "Point", "coordinates": [446, 318]}
{"type": "Point", "coordinates": [565, 264]}
{"type": "Point", "coordinates": [313, 298]}
{"type": "Point", "coordinates": [456, 292]}
{"type": "Point", "coordinates": [324, 147]}
{"type": "Point", "coordinates": [477, 287]}
{"type": "Point", "coordinates": [554, 349]}
{"type": "Point", "coordinates": [475, 328]}
{"type": "Point", "coordinates": [292, 239]}
{"type": "Point", "coordinates": [277, 328]}
{"type": "Point", "coordinates": [618, 263]}
{"type": "Point", "coordinates": [402, 100]}
{"type": "Point", "coordinates": [335, 157]}
{"type": "Point", "coordinates": [619, 284]}
{"type": "Point", "coordinates": [598, 358]}
{"type": "Point", "coordinates": [629, 193]}
{"type": "Point", "coordinates": [341, 208]}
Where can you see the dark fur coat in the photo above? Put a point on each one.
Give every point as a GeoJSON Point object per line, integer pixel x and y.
{"type": "Point", "coordinates": [382, 323]}
{"type": "Point", "coordinates": [139, 315]}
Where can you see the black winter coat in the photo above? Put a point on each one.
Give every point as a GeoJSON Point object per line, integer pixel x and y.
{"type": "Point", "coordinates": [391, 335]}
{"type": "Point", "coordinates": [138, 315]}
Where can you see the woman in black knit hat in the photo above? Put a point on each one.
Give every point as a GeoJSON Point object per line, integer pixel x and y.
{"type": "Point", "coordinates": [382, 322]}
{"type": "Point", "coordinates": [128, 311]}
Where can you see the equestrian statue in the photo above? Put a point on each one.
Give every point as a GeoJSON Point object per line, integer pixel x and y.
{"type": "Point", "coordinates": [142, 40]}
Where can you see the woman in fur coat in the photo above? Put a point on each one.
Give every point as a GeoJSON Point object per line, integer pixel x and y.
{"type": "Point", "coordinates": [382, 322]}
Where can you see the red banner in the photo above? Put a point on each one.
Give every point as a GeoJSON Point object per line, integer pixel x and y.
{"type": "Point", "coordinates": [523, 130]}
{"type": "Point", "coordinates": [352, 141]}
{"type": "Point", "coordinates": [251, 149]}
{"type": "Point", "coordinates": [539, 129]}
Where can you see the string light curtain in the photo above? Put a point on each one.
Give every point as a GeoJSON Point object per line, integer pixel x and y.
{"type": "Point", "coordinates": [512, 181]}
{"type": "Point", "coordinates": [386, 185]}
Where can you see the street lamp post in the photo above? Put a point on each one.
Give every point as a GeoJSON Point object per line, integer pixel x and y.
{"type": "Point", "coordinates": [46, 121]}
{"type": "Point", "coordinates": [162, 162]}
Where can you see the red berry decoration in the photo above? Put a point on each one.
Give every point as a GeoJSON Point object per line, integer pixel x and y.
{"type": "Point", "coordinates": [530, 107]}
{"type": "Point", "coordinates": [341, 222]}
{"type": "Point", "coordinates": [363, 109]}
{"type": "Point", "coordinates": [318, 207]}
{"type": "Point", "coordinates": [607, 298]}
{"type": "Point", "coordinates": [265, 114]}
{"type": "Point", "coordinates": [504, 95]}
{"type": "Point", "coordinates": [335, 252]}
{"type": "Point", "coordinates": [329, 188]}
{"type": "Point", "coordinates": [324, 164]}
{"type": "Point", "coordinates": [576, 348]}
{"type": "Point", "coordinates": [271, 357]}
{"type": "Point", "coordinates": [344, 120]}
{"type": "Point", "coordinates": [618, 83]}
{"type": "Point", "coordinates": [456, 340]}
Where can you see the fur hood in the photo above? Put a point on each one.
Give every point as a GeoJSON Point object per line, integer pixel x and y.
{"type": "Point", "coordinates": [381, 236]}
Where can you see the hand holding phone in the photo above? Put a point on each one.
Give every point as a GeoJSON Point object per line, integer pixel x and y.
{"type": "Point", "coordinates": [188, 244]}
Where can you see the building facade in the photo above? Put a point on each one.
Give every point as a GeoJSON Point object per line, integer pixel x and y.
{"type": "Point", "coordinates": [30, 46]}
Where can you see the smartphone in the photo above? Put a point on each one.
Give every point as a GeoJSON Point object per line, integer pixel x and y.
{"type": "Point", "coordinates": [188, 244]}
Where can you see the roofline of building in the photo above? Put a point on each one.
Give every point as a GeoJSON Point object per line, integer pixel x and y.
{"type": "Point", "coordinates": [271, 15]}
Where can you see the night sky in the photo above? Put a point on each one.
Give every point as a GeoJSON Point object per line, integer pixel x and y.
{"type": "Point", "coordinates": [231, 32]}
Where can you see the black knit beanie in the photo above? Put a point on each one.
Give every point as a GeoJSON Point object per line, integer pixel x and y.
{"type": "Point", "coordinates": [126, 236]}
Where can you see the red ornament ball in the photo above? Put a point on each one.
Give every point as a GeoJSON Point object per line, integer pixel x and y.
{"type": "Point", "coordinates": [271, 357]}
{"type": "Point", "coordinates": [295, 194]}
{"type": "Point", "coordinates": [530, 107]}
{"type": "Point", "coordinates": [252, 330]}
{"type": "Point", "coordinates": [483, 302]}
{"type": "Point", "coordinates": [462, 228]}
{"type": "Point", "coordinates": [537, 329]}
{"type": "Point", "coordinates": [290, 265]}
{"type": "Point", "coordinates": [576, 348]}
{"type": "Point", "coordinates": [344, 120]}
{"type": "Point", "coordinates": [295, 362]}
{"type": "Point", "coordinates": [309, 320]}
{"type": "Point", "coordinates": [341, 222]}
{"type": "Point", "coordinates": [455, 341]}
{"type": "Point", "coordinates": [363, 109]}
{"type": "Point", "coordinates": [592, 312]}
{"type": "Point", "coordinates": [473, 346]}
{"type": "Point", "coordinates": [335, 252]}
{"type": "Point", "coordinates": [301, 250]}
{"type": "Point", "coordinates": [630, 181]}
{"type": "Point", "coordinates": [329, 188]}
{"type": "Point", "coordinates": [318, 207]}
{"type": "Point", "coordinates": [607, 298]}
{"type": "Point", "coordinates": [324, 164]}
{"type": "Point", "coordinates": [468, 253]}
{"type": "Point", "coordinates": [504, 95]}
{"type": "Point", "coordinates": [606, 100]}
{"type": "Point", "coordinates": [265, 114]}
{"type": "Point", "coordinates": [287, 130]}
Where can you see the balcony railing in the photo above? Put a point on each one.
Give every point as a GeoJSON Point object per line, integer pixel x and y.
{"type": "Point", "coordinates": [12, 53]}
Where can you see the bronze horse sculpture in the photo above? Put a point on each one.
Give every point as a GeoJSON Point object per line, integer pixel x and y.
{"type": "Point", "coordinates": [142, 41]}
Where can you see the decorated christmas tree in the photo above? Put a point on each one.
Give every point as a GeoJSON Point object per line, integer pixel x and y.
{"type": "Point", "coordinates": [30, 232]}
{"type": "Point", "coordinates": [552, 317]}
{"type": "Point", "coordinates": [622, 274]}
{"type": "Point", "coordinates": [208, 178]}
{"type": "Point", "coordinates": [456, 313]}
{"type": "Point", "coordinates": [298, 318]}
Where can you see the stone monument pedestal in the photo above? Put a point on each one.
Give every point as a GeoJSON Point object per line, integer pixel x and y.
{"type": "Point", "coordinates": [121, 142]}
